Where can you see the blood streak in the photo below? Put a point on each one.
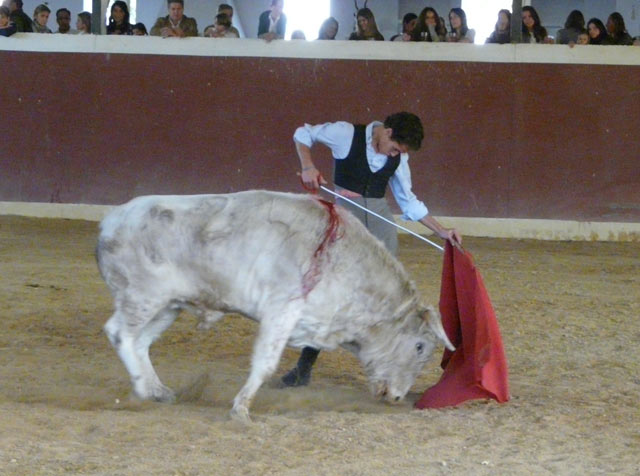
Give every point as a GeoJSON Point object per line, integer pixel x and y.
{"type": "Point", "coordinates": [312, 276]}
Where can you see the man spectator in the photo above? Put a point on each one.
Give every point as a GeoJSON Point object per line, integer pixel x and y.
{"type": "Point", "coordinates": [18, 16]}
{"type": "Point", "coordinates": [228, 10]}
{"type": "Point", "coordinates": [63, 18]}
{"type": "Point", "coordinates": [273, 23]}
{"type": "Point", "coordinates": [176, 23]}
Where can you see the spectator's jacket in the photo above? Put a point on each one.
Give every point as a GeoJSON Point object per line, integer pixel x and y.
{"type": "Point", "coordinates": [263, 24]}
{"type": "Point", "coordinates": [501, 37]}
{"type": "Point", "coordinates": [9, 30]}
{"type": "Point", "coordinates": [22, 21]}
{"type": "Point", "coordinates": [623, 39]}
{"type": "Point", "coordinates": [36, 28]}
{"type": "Point", "coordinates": [188, 25]}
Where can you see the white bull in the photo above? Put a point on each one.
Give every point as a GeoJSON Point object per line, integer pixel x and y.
{"type": "Point", "coordinates": [272, 257]}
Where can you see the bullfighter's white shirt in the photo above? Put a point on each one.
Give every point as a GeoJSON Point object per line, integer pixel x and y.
{"type": "Point", "coordinates": [338, 136]}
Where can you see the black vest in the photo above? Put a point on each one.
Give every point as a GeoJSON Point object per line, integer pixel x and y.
{"type": "Point", "coordinates": [354, 174]}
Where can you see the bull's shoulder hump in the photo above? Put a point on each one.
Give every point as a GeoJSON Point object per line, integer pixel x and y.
{"type": "Point", "coordinates": [172, 207]}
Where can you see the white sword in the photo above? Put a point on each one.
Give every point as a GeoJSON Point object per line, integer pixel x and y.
{"type": "Point", "coordinates": [381, 217]}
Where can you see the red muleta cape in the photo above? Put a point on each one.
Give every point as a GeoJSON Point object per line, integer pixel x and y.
{"type": "Point", "coordinates": [478, 366]}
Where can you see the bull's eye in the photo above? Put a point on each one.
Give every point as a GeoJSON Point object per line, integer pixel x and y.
{"type": "Point", "coordinates": [419, 347]}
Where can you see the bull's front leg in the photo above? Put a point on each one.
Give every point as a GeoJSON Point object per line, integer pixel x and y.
{"type": "Point", "coordinates": [272, 338]}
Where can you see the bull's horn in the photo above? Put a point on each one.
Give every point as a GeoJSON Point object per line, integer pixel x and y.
{"type": "Point", "coordinates": [435, 324]}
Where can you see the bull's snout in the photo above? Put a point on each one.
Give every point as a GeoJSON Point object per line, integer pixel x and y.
{"type": "Point", "coordinates": [394, 398]}
{"type": "Point", "coordinates": [382, 391]}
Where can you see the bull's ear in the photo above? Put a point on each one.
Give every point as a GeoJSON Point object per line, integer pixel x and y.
{"type": "Point", "coordinates": [433, 319]}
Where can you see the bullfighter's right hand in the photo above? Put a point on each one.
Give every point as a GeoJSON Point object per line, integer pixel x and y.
{"type": "Point", "coordinates": [312, 178]}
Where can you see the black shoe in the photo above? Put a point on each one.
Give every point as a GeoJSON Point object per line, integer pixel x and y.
{"type": "Point", "coordinates": [294, 378]}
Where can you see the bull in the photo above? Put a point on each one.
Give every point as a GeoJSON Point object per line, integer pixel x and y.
{"type": "Point", "coordinates": [308, 272]}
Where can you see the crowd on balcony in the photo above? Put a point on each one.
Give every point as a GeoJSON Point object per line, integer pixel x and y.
{"type": "Point", "coordinates": [427, 25]}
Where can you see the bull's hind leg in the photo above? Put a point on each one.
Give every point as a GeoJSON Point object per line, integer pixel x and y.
{"type": "Point", "coordinates": [272, 338]}
{"type": "Point", "coordinates": [131, 334]}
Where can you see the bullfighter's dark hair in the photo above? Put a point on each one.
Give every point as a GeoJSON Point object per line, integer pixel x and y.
{"type": "Point", "coordinates": [181, 2]}
{"type": "Point", "coordinates": [406, 129]}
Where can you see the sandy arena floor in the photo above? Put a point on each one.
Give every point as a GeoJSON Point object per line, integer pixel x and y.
{"type": "Point", "coordinates": [569, 315]}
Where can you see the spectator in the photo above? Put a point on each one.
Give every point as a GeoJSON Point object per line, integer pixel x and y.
{"type": "Point", "coordinates": [83, 24]}
{"type": "Point", "coordinates": [617, 31]}
{"type": "Point", "coordinates": [176, 24]}
{"type": "Point", "coordinates": [40, 19]}
{"type": "Point", "coordinates": [272, 23]}
{"type": "Point", "coordinates": [298, 35]}
{"type": "Point", "coordinates": [597, 32]}
{"type": "Point", "coordinates": [232, 31]}
{"type": "Point", "coordinates": [408, 24]}
{"type": "Point", "coordinates": [221, 28]}
{"type": "Point", "coordinates": [19, 17]}
{"type": "Point", "coordinates": [502, 32]}
{"type": "Point", "coordinates": [460, 32]}
{"type": "Point", "coordinates": [119, 19]}
{"type": "Point", "coordinates": [367, 28]}
{"type": "Point", "coordinates": [63, 18]}
{"type": "Point", "coordinates": [429, 27]}
{"type": "Point", "coordinates": [583, 38]}
{"type": "Point", "coordinates": [139, 30]}
{"type": "Point", "coordinates": [228, 10]}
{"type": "Point", "coordinates": [328, 29]}
{"type": "Point", "coordinates": [532, 30]}
{"type": "Point", "coordinates": [7, 27]}
{"type": "Point", "coordinates": [572, 28]}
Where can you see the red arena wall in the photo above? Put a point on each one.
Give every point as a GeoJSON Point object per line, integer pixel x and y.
{"type": "Point", "coordinates": [504, 139]}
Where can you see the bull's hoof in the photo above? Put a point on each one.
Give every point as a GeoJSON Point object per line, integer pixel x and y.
{"type": "Point", "coordinates": [162, 393]}
{"type": "Point", "coordinates": [240, 414]}
{"type": "Point", "coordinates": [295, 378]}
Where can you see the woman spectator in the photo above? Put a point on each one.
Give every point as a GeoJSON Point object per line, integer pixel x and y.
{"type": "Point", "coordinates": [617, 31]}
{"type": "Point", "coordinates": [429, 27]}
{"type": "Point", "coordinates": [328, 29]}
{"type": "Point", "coordinates": [119, 19]}
{"type": "Point", "coordinates": [597, 32]}
{"type": "Point", "coordinates": [7, 27]}
{"type": "Point", "coordinates": [139, 30]}
{"type": "Point", "coordinates": [532, 30]}
{"type": "Point", "coordinates": [460, 32]}
{"type": "Point", "coordinates": [40, 19]}
{"type": "Point", "coordinates": [83, 24]}
{"type": "Point", "coordinates": [367, 28]}
{"type": "Point", "coordinates": [408, 24]}
{"type": "Point", "coordinates": [502, 32]}
{"type": "Point", "coordinates": [572, 28]}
